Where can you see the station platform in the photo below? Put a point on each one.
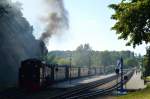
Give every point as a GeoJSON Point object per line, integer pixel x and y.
{"type": "Point", "coordinates": [136, 82]}
{"type": "Point", "coordinates": [84, 80]}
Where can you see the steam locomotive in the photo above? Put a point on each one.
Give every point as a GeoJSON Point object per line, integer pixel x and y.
{"type": "Point", "coordinates": [35, 74]}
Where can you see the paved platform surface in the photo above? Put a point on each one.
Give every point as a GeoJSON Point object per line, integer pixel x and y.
{"type": "Point", "coordinates": [136, 83]}
{"type": "Point", "coordinates": [73, 83]}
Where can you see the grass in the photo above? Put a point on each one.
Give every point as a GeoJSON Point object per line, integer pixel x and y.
{"type": "Point", "coordinates": [141, 94]}
{"type": "Point", "coordinates": [147, 78]}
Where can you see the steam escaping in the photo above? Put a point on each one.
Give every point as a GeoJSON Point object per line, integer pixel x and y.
{"type": "Point", "coordinates": [13, 8]}
{"type": "Point", "coordinates": [17, 42]}
{"type": "Point", "coordinates": [56, 20]}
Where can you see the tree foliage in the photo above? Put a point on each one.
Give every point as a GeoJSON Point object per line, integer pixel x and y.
{"type": "Point", "coordinates": [85, 56]}
{"type": "Point", "coordinates": [17, 42]}
{"type": "Point", "coordinates": [82, 55]}
{"type": "Point", "coordinates": [131, 62]}
{"type": "Point", "coordinates": [132, 21]}
{"type": "Point", "coordinates": [146, 62]}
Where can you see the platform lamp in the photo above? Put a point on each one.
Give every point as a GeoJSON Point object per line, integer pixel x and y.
{"type": "Point", "coordinates": [89, 56]}
{"type": "Point", "coordinates": [70, 67]}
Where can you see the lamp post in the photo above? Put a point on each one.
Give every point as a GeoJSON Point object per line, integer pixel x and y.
{"type": "Point", "coordinates": [70, 67]}
{"type": "Point", "coordinates": [89, 54]}
{"type": "Point", "coordinates": [121, 63]}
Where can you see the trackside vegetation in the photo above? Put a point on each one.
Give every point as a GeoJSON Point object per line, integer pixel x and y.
{"type": "Point", "coordinates": [141, 94]}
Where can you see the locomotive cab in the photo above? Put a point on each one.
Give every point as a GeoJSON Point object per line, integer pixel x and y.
{"type": "Point", "coordinates": [31, 74]}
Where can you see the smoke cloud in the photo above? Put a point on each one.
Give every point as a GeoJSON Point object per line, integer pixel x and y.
{"type": "Point", "coordinates": [56, 20]}
{"type": "Point", "coordinates": [17, 42]}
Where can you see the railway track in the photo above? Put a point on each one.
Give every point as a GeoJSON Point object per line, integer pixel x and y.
{"type": "Point", "coordinates": [103, 90]}
{"type": "Point", "coordinates": [83, 91]}
{"type": "Point", "coordinates": [78, 92]}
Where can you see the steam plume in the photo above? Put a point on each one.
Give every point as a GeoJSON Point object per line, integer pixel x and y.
{"type": "Point", "coordinates": [56, 20]}
{"type": "Point", "coordinates": [17, 42]}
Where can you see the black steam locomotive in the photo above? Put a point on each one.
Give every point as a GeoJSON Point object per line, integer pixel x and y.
{"type": "Point", "coordinates": [35, 74]}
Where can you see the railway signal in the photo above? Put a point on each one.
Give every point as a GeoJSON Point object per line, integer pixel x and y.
{"type": "Point", "coordinates": [122, 90]}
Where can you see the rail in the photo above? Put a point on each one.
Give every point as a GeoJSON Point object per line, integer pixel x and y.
{"type": "Point", "coordinates": [77, 91]}
{"type": "Point", "coordinates": [101, 91]}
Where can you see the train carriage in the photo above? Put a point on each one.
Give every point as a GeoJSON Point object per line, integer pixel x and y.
{"type": "Point", "coordinates": [35, 74]}
{"type": "Point", "coordinates": [46, 74]}
{"type": "Point", "coordinates": [101, 70]}
{"type": "Point", "coordinates": [84, 71]}
{"type": "Point", "coordinates": [73, 72]}
{"type": "Point", "coordinates": [59, 73]}
{"type": "Point", "coordinates": [97, 70]}
{"type": "Point", "coordinates": [92, 71]}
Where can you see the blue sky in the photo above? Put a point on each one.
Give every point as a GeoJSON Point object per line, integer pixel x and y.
{"type": "Point", "coordinates": [89, 23]}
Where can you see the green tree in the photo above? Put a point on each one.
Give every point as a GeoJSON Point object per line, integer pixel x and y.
{"type": "Point", "coordinates": [85, 56]}
{"type": "Point", "coordinates": [105, 58]}
{"type": "Point", "coordinates": [147, 62]}
{"type": "Point", "coordinates": [132, 21]}
{"type": "Point", "coordinates": [82, 55]}
{"type": "Point", "coordinates": [130, 62]}
{"type": "Point", "coordinates": [63, 61]}
{"type": "Point", "coordinates": [51, 59]}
